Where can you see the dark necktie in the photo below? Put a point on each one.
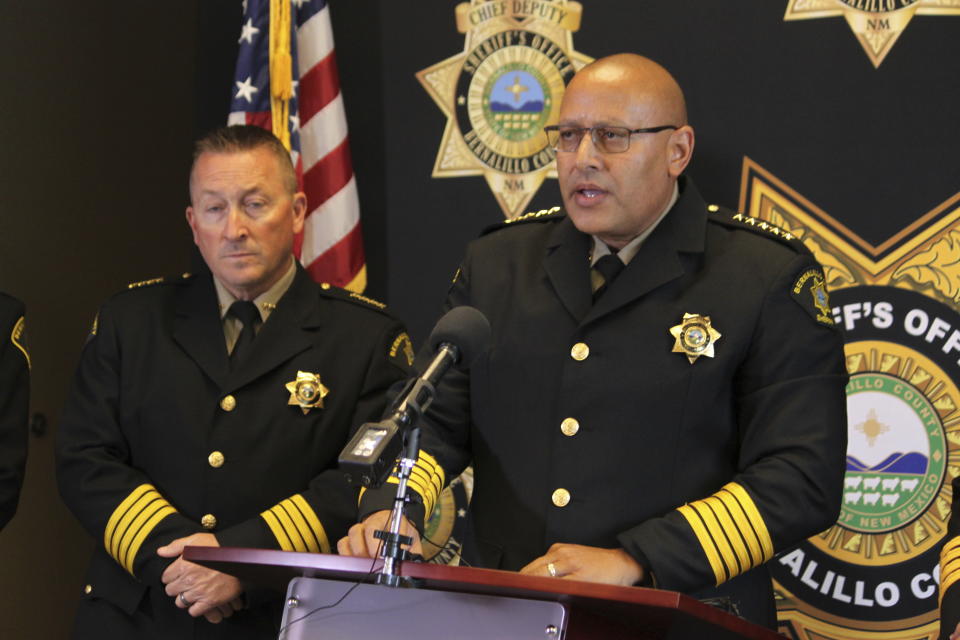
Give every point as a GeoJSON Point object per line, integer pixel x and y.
{"type": "Point", "coordinates": [608, 266]}
{"type": "Point", "coordinates": [246, 312]}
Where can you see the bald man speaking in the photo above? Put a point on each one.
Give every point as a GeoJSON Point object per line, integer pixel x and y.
{"type": "Point", "coordinates": [662, 403]}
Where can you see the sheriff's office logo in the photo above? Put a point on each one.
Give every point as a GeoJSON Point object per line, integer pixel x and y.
{"type": "Point", "coordinates": [876, 23]}
{"type": "Point", "coordinates": [875, 572]}
{"type": "Point", "coordinates": [501, 91]}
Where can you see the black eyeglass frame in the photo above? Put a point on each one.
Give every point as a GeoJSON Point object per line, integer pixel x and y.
{"type": "Point", "coordinates": [593, 135]}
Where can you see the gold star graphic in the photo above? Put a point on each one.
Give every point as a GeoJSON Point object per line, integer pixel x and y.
{"type": "Point", "coordinates": [876, 23]}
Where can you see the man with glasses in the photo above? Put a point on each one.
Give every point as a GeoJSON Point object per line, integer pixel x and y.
{"type": "Point", "coordinates": [663, 400]}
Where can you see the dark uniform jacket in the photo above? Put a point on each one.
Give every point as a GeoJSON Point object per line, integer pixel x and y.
{"type": "Point", "coordinates": [160, 439]}
{"type": "Point", "coordinates": [14, 405]}
{"type": "Point", "coordinates": [585, 425]}
{"type": "Point", "coordinates": [950, 569]}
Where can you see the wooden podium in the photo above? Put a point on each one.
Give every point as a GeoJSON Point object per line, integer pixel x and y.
{"type": "Point", "coordinates": [464, 603]}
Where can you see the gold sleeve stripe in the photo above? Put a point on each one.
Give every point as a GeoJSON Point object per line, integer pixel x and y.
{"type": "Point", "coordinates": [950, 546]}
{"type": "Point", "coordinates": [743, 526]}
{"type": "Point", "coordinates": [296, 518]}
{"type": "Point", "coordinates": [152, 522]}
{"type": "Point", "coordinates": [753, 515]}
{"type": "Point", "coordinates": [319, 532]}
{"type": "Point", "coordinates": [426, 478]}
{"type": "Point", "coordinates": [703, 537]}
{"type": "Point", "coordinates": [277, 530]}
{"type": "Point", "coordinates": [132, 521]}
{"type": "Point", "coordinates": [720, 542]}
{"type": "Point", "coordinates": [949, 565]}
{"type": "Point", "coordinates": [731, 531]}
{"type": "Point", "coordinates": [296, 527]}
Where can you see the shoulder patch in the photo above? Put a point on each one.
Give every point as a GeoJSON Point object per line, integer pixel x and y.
{"type": "Point", "coordinates": [19, 340]}
{"type": "Point", "coordinates": [401, 351]}
{"type": "Point", "coordinates": [810, 292]}
{"type": "Point", "coordinates": [757, 225]}
{"type": "Point", "coordinates": [533, 216]}
{"type": "Point", "coordinates": [332, 291]}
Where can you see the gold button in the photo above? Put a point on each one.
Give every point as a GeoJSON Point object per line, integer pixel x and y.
{"type": "Point", "coordinates": [228, 403]}
{"type": "Point", "coordinates": [208, 521]}
{"type": "Point", "coordinates": [561, 497]}
{"type": "Point", "coordinates": [88, 589]}
{"type": "Point", "coordinates": [570, 426]}
{"type": "Point", "coordinates": [580, 351]}
{"type": "Point", "coordinates": [324, 285]}
{"type": "Point", "coordinates": [215, 459]}
{"type": "Point", "coordinates": [714, 208]}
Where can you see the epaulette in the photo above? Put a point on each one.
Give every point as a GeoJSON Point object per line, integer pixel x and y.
{"type": "Point", "coordinates": [759, 226]}
{"type": "Point", "coordinates": [352, 296]}
{"type": "Point", "coordinates": [534, 216]}
{"type": "Point", "coordinates": [161, 280]}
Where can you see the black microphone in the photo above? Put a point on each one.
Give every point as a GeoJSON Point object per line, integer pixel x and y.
{"type": "Point", "coordinates": [458, 338]}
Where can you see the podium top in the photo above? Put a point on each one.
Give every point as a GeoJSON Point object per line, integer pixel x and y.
{"type": "Point", "coordinates": [274, 569]}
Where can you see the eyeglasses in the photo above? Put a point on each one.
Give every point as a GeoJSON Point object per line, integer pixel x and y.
{"type": "Point", "coordinates": [607, 139]}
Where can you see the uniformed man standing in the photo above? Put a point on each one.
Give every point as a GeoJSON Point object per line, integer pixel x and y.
{"type": "Point", "coordinates": [210, 409]}
{"type": "Point", "coordinates": [663, 399]}
{"type": "Point", "coordinates": [14, 405]}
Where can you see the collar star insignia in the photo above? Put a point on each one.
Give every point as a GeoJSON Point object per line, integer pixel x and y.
{"type": "Point", "coordinates": [695, 337]}
{"type": "Point", "coordinates": [499, 93]}
{"type": "Point", "coordinates": [306, 391]}
{"type": "Point", "coordinates": [876, 23]}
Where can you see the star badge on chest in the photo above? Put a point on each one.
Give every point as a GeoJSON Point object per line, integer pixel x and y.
{"type": "Point", "coordinates": [695, 337]}
{"type": "Point", "coordinates": [306, 391]}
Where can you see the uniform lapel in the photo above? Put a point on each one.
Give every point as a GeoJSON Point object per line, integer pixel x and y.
{"type": "Point", "coordinates": [658, 261]}
{"type": "Point", "coordinates": [198, 328]}
{"type": "Point", "coordinates": [567, 264]}
{"type": "Point", "coordinates": [287, 332]}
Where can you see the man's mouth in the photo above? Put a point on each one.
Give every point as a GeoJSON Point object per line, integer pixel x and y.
{"type": "Point", "coordinates": [586, 194]}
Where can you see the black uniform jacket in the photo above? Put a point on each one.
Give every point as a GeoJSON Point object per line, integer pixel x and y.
{"type": "Point", "coordinates": [160, 439]}
{"type": "Point", "coordinates": [14, 405]}
{"type": "Point", "coordinates": [585, 425]}
{"type": "Point", "coordinates": [950, 570]}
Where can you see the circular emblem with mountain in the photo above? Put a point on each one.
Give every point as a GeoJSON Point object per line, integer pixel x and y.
{"type": "Point", "coordinates": [875, 572]}
{"type": "Point", "coordinates": [509, 88]}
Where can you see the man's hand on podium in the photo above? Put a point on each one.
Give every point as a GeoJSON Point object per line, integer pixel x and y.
{"type": "Point", "coordinates": [360, 541]}
{"type": "Point", "coordinates": [199, 590]}
{"type": "Point", "coordinates": [590, 564]}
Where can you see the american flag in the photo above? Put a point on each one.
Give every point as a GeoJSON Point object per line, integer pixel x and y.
{"type": "Point", "coordinates": [331, 246]}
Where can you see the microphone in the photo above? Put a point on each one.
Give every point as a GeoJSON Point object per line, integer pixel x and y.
{"type": "Point", "coordinates": [458, 338]}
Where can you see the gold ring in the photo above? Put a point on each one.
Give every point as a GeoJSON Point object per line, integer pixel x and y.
{"type": "Point", "coordinates": [551, 569]}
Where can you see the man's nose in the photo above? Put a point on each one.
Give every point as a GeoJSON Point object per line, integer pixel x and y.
{"type": "Point", "coordinates": [588, 155]}
{"type": "Point", "coordinates": [235, 226]}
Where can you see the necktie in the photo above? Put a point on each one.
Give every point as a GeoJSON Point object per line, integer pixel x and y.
{"type": "Point", "coordinates": [246, 312]}
{"type": "Point", "coordinates": [608, 266]}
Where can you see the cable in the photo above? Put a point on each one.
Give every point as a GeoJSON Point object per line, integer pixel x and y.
{"type": "Point", "coordinates": [365, 578]}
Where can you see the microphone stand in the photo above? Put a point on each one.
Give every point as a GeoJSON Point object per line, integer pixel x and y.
{"type": "Point", "coordinates": [392, 552]}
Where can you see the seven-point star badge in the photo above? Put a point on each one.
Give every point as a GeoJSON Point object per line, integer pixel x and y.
{"type": "Point", "coordinates": [695, 336]}
{"type": "Point", "coordinates": [306, 391]}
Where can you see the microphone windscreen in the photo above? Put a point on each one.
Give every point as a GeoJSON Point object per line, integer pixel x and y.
{"type": "Point", "coordinates": [467, 329]}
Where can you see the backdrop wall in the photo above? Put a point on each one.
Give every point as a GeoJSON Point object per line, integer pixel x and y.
{"type": "Point", "coordinates": [794, 123]}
